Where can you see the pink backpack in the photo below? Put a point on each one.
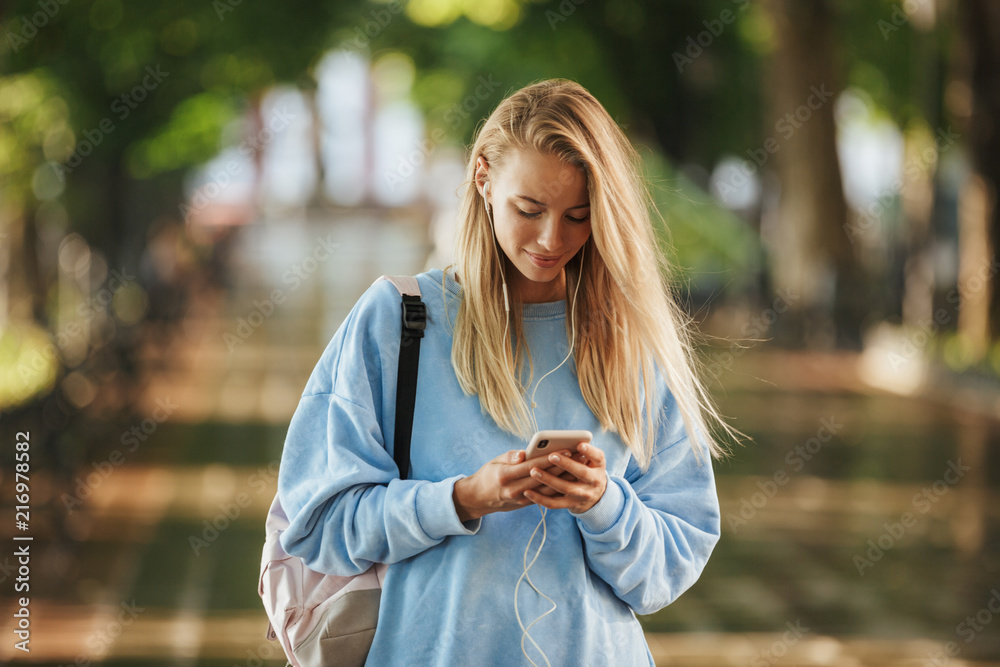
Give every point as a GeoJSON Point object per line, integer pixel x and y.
{"type": "Point", "coordinates": [322, 619]}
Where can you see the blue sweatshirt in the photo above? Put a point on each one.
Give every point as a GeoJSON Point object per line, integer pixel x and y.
{"type": "Point", "coordinates": [448, 596]}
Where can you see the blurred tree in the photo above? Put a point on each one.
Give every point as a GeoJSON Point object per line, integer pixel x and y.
{"type": "Point", "coordinates": [679, 77]}
{"type": "Point", "coordinates": [978, 76]}
{"type": "Point", "coordinates": [682, 75]}
{"type": "Point", "coordinates": [812, 258]}
{"type": "Point", "coordinates": [87, 88]}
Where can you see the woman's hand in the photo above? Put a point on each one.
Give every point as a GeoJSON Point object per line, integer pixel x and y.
{"type": "Point", "coordinates": [581, 483]}
{"type": "Point", "coordinates": [498, 486]}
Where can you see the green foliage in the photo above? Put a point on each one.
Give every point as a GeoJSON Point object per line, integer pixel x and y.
{"type": "Point", "coordinates": [709, 245]}
{"type": "Point", "coordinates": [34, 126]}
{"type": "Point", "coordinates": [28, 363]}
{"type": "Point", "coordinates": [64, 75]}
{"type": "Point", "coordinates": [191, 136]}
{"type": "Point", "coordinates": [61, 79]}
{"type": "Point", "coordinates": [896, 56]}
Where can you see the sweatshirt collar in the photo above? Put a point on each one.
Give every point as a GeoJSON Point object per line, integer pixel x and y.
{"type": "Point", "coordinates": [529, 311]}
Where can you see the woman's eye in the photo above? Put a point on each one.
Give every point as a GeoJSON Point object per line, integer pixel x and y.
{"type": "Point", "coordinates": [525, 214]}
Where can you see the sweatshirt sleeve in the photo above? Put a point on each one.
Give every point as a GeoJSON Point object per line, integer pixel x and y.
{"type": "Point", "coordinates": [337, 482]}
{"type": "Point", "coordinates": [650, 535]}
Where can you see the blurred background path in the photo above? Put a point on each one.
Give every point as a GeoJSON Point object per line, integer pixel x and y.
{"type": "Point", "coordinates": [193, 195]}
{"type": "Point", "coordinates": [157, 563]}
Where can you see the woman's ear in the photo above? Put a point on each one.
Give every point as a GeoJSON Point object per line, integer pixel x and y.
{"type": "Point", "coordinates": [482, 176]}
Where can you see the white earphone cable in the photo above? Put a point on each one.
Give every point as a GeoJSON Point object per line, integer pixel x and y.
{"type": "Point", "coordinates": [541, 522]}
{"type": "Point", "coordinates": [525, 634]}
{"type": "Point", "coordinates": [543, 510]}
{"type": "Point", "coordinates": [572, 321]}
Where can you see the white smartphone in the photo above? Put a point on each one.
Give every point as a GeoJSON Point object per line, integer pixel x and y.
{"type": "Point", "coordinates": [544, 442]}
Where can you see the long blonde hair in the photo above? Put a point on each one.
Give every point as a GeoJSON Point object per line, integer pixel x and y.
{"type": "Point", "coordinates": [628, 323]}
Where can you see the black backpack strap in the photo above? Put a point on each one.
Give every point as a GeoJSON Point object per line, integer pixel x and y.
{"type": "Point", "coordinates": [414, 322]}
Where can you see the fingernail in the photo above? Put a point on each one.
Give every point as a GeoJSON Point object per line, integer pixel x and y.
{"type": "Point", "coordinates": [535, 472]}
{"type": "Point", "coordinates": [583, 447]}
{"type": "Point", "coordinates": [554, 458]}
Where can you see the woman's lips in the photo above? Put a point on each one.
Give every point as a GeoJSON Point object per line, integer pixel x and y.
{"type": "Point", "coordinates": [543, 262]}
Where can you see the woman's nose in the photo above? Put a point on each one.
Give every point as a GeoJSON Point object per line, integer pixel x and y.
{"type": "Point", "coordinates": [550, 234]}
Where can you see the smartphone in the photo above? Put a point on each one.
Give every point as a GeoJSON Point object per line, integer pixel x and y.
{"type": "Point", "coordinates": [545, 442]}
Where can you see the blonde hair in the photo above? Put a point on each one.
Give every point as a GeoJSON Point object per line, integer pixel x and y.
{"type": "Point", "coordinates": [628, 323]}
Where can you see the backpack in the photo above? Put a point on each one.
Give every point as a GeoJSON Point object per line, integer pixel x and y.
{"type": "Point", "coordinates": [323, 619]}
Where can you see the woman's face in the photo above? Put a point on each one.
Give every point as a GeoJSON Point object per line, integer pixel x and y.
{"type": "Point", "coordinates": [541, 213]}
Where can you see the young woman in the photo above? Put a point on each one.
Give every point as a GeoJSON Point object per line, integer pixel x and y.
{"type": "Point", "coordinates": [557, 315]}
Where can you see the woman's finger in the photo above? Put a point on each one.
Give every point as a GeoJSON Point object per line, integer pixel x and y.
{"type": "Point", "coordinates": [563, 486]}
{"type": "Point", "coordinates": [579, 470]}
{"type": "Point", "coordinates": [591, 453]}
{"type": "Point", "coordinates": [558, 502]}
{"type": "Point", "coordinates": [547, 491]}
{"type": "Point", "coordinates": [513, 472]}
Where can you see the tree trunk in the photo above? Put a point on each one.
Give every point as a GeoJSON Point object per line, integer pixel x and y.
{"type": "Point", "coordinates": [812, 261]}
{"type": "Point", "coordinates": [25, 293]}
{"type": "Point", "coordinates": [980, 221]}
